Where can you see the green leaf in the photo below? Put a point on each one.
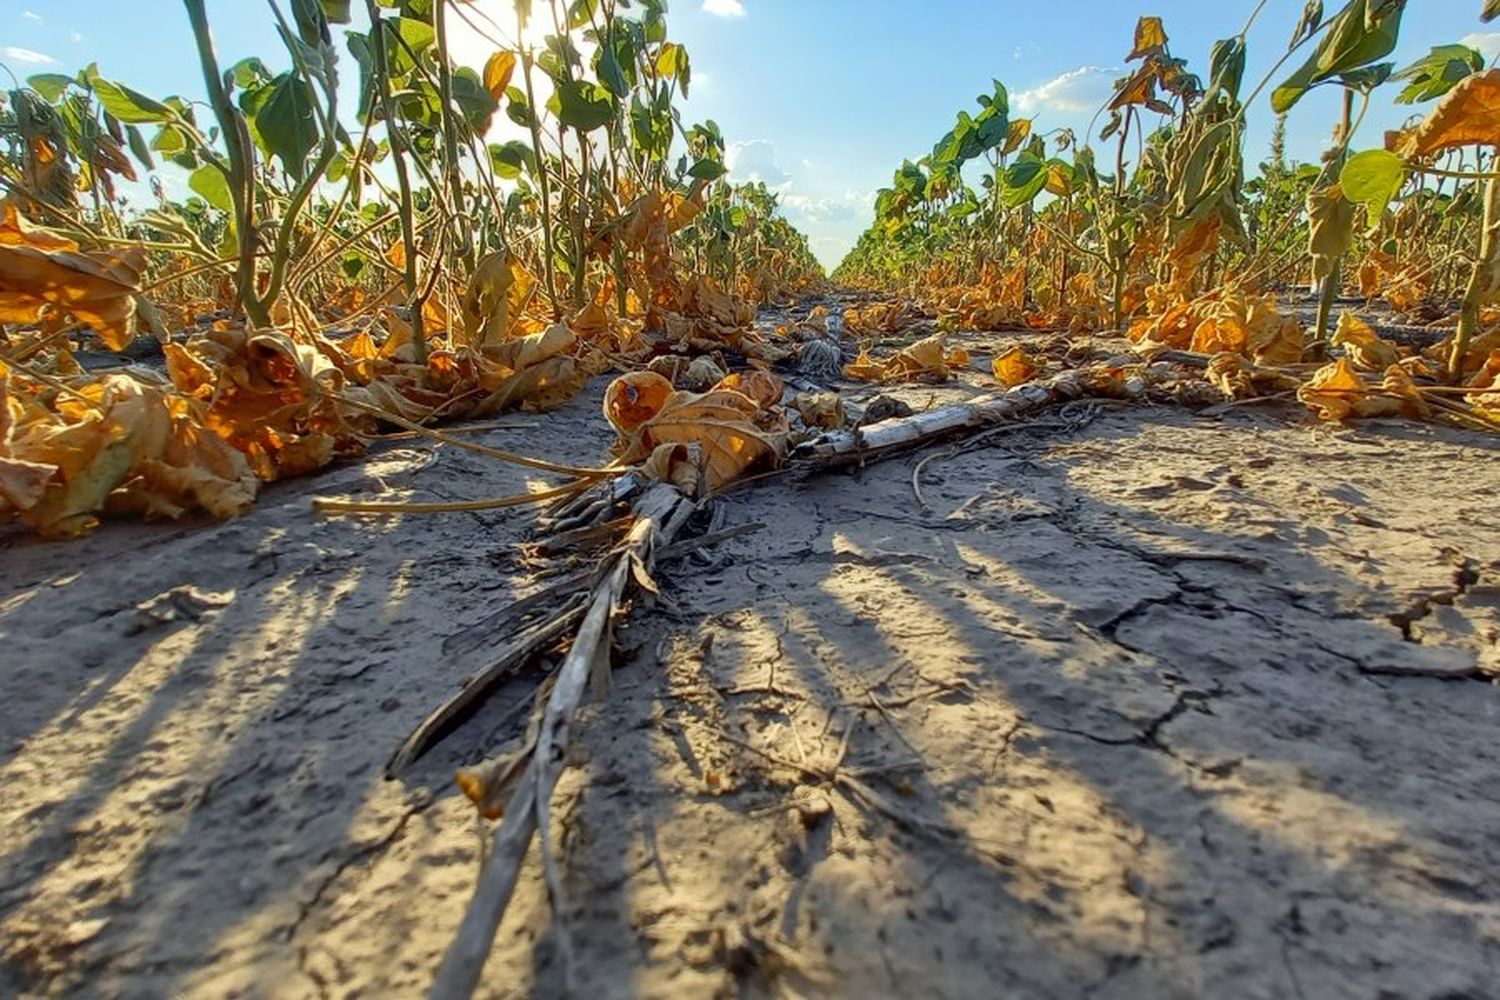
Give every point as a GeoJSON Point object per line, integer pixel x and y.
{"type": "Point", "coordinates": [611, 72]}
{"type": "Point", "coordinates": [1350, 42]}
{"type": "Point", "coordinates": [131, 106]}
{"type": "Point", "coordinates": [49, 85]}
{"type": "Point", "coordinates": [582, 12]}
{"type": "Point", "coordinates": [518, 109]}
{"type": "Point", "coordinates": [1312, 17]}
{"type": "Point", "coordinates": [1372, 178]}
{"type": "Point", "coordinates": [286, 123]}
{"type": "Point", "coordinates": [211, 183]}
{"type": "Point", "coordinates": [337, 11]}
{"type": "Point", "coordinates": [651, 127]}
{"type": "Point", "coordinates": [1023, 180]}
{"type": "Point", "coordinates": [139, 147]}
{"type": "Point", "coordinates": [584, 106]}
{"type": "Point", "coordinates": [248, 73]}
{"type": "Point", "coordinates": [312, 23]}
{"type": "Point", "coordinates": [1438, 72]}
{"type": "Point", "coordinates": [1227, 68]}
{"type": "Point", "coordinates": [1367, 78]}
{"type": "Point", "coordinates": [510, 158]}
{"type": "Point", "coordinates": [473, 100]}
{"type": "Point", "coordinates": [707, 170]}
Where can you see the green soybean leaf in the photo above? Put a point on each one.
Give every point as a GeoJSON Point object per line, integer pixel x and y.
{"type": "Point", "coordinates": [1372, 178]}
{"type": "Point", "coordinates": [510, 158]}
{"type": "Point", "coordinates": [213, 186]}
{"type": "Point", "coordinates": [1357, 36]}
{"type": "Point", "coordinates": [286, 123]}
{"type": "Point", "coordinates": [1438, 72]}
{"type": "Point", "coordinates": [1023, 180]}
{"type": "Point", "coordinates": [139, 147]}
{"type": "Point", "coordinates": [707, 170]}
{"type": "Point", "coordinates": [131, 106]}
{"type": "Point", "coordinates": [49, 85]}
{"type": "Point", "coordinates": [1227, 68]}
{"type": "Point", "coordinates": [584, 106]}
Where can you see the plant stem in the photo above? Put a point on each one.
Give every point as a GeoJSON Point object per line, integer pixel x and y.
{"type": "Point", "coordinates": [541, 164]}
{"type": "Point", "coordinates": [1332, 279]}
{"type": "Point", "coordinates": [450, 130]}
{"type": "Point", "coordinates": [240, 170]}
{"type": "Point", "coordinates": [398, 159]}
{"type": "Point", "coordinates": [1480, 279]}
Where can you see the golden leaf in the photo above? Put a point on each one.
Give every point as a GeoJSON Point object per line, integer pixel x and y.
{"type": "Point", "coordinates": [1363, 345]}
{"type": "Point", "coordinates": [1468, 115]}
{"type": "Point", "coordinates": [633, 399]}
{"type": "Point", "coordinates": [95, 287]}
{"type": "Point", "coordinates": [927, 360]}
{"type": "Point", "coordinates": [1338, 392]}
{"type": "Point", "coordinates": [498, 69]}
{"type": "Point", "coordinates": [732, 432]}
{"type": "Point", "coordinates": [1150, 35]}
{"type": "Point", "coordinates": [1219, 335]}
{"type": "Point", "coordinates": [486, 302]}
{"type": "Point", "coordinates": [1014, 367]}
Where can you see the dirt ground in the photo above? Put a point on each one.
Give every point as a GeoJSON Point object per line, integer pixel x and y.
{"type": "Point", "coordinates": [1153, 704]}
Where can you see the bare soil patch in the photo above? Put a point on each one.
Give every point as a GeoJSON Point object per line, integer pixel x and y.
{"type": "Point", "coordinates": [1139, 703]}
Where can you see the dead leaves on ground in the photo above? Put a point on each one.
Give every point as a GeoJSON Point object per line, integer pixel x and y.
{"type": "Point", "coordinates": [699, 442]}
{"type": "Point", "coordinates": [1226, 321]}
{"type": "Point", "coordinates": [115, 444]}
{"type": "Point", "coordinates": [40, 271]}
{"type": "Point", "coordinates": [238, 408]}
{"type": "Point", "coordinates": [928, 360]}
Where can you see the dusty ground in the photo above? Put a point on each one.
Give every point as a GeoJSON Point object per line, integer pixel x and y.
{"type": "Point", "coordinates": [1129, 697]}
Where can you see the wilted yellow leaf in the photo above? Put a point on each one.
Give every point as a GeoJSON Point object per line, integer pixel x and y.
{"type": "Point", "coordinates": [1150, 35]}
{"type": "Point", "coordinates": [1014, 367]}
{"type": "Point", "coordinates": [926, 360]}
{"type": "Point", "coordinates": [1363, 345]}
{"type": "Point", "coordinates": [1468, 115]}
{"type": "Point", "coordinates": [726, 432]}
{"type": "Point", "coordinates": [486, 302]}
{"type": "Point", "coordinates": [95, 287]}
{"type": "Point", "coordinates": [1337, 392]}
{"type": "Point", "coordinates": [498, 70]}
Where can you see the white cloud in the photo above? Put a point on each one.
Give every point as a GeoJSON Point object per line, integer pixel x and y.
{"type": "Point", "coordinates": [851, 206]}
{"type": "Point", "coordinates": [77, 37]}
{"type": "Point", "coordinates": [17, 54]}
{"type": "Point", "coordinates": [724, 8]}
{"type": "Point", "coordinates": [32, 15]}
{"type": "Point", "coordinates": [1076, 91]}
{"type": "Point", "coordinates": [1487, 42]}
{"type": "Point", "coordinates": [756, 161]}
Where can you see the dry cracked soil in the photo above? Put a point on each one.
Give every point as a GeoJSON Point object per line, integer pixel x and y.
{"type": "Point", "coordinates": [1128, 702]}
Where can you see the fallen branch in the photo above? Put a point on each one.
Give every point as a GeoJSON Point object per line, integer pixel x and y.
{"type": "Point", "coordinates": [511, 658]}
{"type": "Point", "coordinates": [659, 513]}
{"type": "Point", "coordinates": [844, 447]}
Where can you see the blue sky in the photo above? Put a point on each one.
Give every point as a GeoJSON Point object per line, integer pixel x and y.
{"type": "Point", "coordinates": [820, 98]}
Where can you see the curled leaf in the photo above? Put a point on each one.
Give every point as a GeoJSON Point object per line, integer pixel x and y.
{"type": "Point", "coordinates": [1363, 345]}
{"type": "Point", "coordinates": [1468, 115]}
{"type": "Point", "coordinates": [38, 269]}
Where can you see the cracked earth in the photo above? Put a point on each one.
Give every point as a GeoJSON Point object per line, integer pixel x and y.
{"type": "Point", "coordinates": [1171, 705]}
